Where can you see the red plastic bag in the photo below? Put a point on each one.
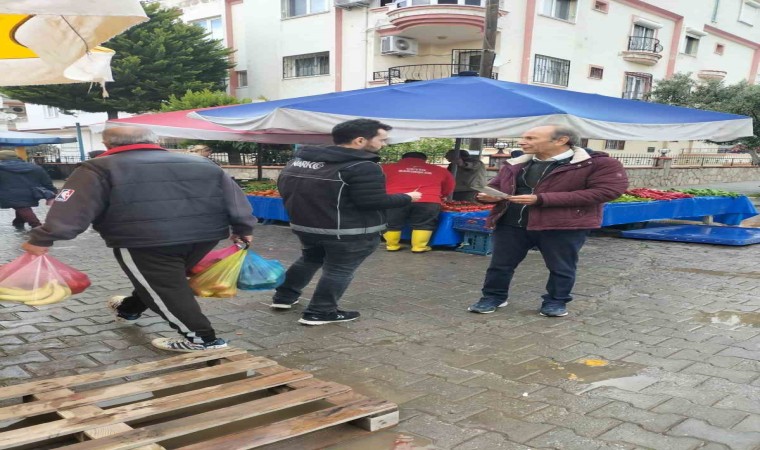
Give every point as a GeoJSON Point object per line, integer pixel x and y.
{"type": "Point", "coordinates": [39, 280]}
{"type": "Point", "coordinates": [213, 257]}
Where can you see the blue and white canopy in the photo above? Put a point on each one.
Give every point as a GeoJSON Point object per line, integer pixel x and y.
{"type": "Point", "coordinates": [481, 107]}
{"type": "Point", "coordinates": [21, 139]}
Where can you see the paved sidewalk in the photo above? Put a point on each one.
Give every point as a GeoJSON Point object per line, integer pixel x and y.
{"type": "Point", "coordinates": [677, 324]}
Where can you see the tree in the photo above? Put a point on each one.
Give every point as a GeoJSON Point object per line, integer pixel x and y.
{"type": "Point", "coordinates": [201, 99]}
{"type": "Point", "coordinates": [206, 99]}
{"type": "Point", "coordinates": [153, 60]}
{"type": "Point", "coordinates": [740, 98]}
{"type": "Point", "coordinates": [434, 148]}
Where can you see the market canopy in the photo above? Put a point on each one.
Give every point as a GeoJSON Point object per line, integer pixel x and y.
{"type": "Point", "coordinates": [20, 139]}
{"type": "Point", "coordinates": [177, 124]}
{"type": "Point", "coordinates": [56, 41]}
{"type": "Point", "coordinates": [481, 107]}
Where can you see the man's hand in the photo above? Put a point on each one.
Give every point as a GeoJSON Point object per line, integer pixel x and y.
{"type": "Point", "coordinates": [236, 238]}
{"type": "Point", "coordinates": [416, 196]}
{"type": "Point", "coordinates": [485, 198]}
{"type": "Point", "coordinates": [34, 249]}
{"type": "Point", "coordinates": [524, 199]}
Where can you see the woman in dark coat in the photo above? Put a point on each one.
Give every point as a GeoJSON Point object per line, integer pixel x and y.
{"type": "Point", "coordinates": [22, 186]}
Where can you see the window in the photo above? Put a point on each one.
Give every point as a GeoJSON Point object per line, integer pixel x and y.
{"type": "Point", "coordinates": [212, 25]}
{"type": "Point", "coordinates": [650, 149]}
{"type": "Point", "coordinates": [642, 40]}
{"type": "Point", "coordinates": [306, 65]}
{"type": "Point", "coordinates": [601, 6]}
{"type": "Point", "coordinates": [550, 70]}
{"type": "Point", "coordinates": [242, 78]}
{"type": "Point", "coordinates": [719, 49]}
{"type": "Point", "coordinates": [51, 112]}
{"type": "Point", "coordinates": [637, 85]}
{"type": "Point", "coordinates": [748, 13]}
{"type": "Point", "coordinates": [614, 145]}
{"type": "Point", "coordinates": [386, 2]}
{"type": "Point", "coordinates": [293, 8]}
{"type": "Point", "coordinates": [595, 72]}
{"type": "Point", "coordinates": [692, 44]}
{"type": "Point", "coordinates": [560, 9]}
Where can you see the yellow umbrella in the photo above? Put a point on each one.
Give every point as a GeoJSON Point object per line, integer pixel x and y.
{"type": "Point", "coordinates": [56, 41]}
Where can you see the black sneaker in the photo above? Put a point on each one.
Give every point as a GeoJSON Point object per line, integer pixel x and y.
{"type": "Point", "coordinates": [283, 304]}
{"type": "Point", "coordinates": [322, 319]}
{"type": "Point", "coordinates": [114, 303]}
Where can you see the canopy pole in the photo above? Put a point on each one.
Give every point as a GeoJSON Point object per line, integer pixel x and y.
{"type": "Point", "coordinates": [454, 166]}
{"type": "Point", "coordinates": [79, 140]}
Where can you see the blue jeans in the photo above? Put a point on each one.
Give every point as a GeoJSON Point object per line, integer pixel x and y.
{"type": "Point", "coordinates": [559, 249]}
{"type": "Point", "coordinates": [338, 260]}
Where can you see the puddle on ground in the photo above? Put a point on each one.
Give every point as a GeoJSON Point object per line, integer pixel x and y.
{"type": "Point", "coordinates": [584, 370]}
{"type": "Point", "coordinates": [719, 273]}
{"type": "Point", "coordinates": [386, 440]}
{"type": "Point", "coordinates": [731, 318]}
{"type": "Point", "coordinates": [634, 383]}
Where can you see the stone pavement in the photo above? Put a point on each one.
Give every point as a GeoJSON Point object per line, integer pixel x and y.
{"type": "Point", "coordinates": [677, 325]}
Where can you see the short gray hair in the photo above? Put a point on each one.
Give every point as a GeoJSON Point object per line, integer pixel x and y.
{"type": "Point", "coordinates": [118, 136]}
{"type": "Point", "coordinates": [573, 138]}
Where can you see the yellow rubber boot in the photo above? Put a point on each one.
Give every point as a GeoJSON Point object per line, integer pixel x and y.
{"type": "Point", "coordinates": [420, 239]}
{"type": "Point", "coordinates": [392, 239]}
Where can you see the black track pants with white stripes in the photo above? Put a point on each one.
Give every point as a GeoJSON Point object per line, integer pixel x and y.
{"type": "Point", "coordinates": [158, 275]}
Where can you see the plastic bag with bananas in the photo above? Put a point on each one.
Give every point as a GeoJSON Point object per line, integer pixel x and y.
{"type": "Point", "coordinates": [52, 292]}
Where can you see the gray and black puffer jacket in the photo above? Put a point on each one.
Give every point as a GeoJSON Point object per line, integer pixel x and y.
{"type": "Point", "coordinates": [147, 197]}
{"type": "Point", "coordinates": [337, 193]}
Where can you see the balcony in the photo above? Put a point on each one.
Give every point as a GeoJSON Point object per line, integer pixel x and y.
{"type": "Point", "coordinates": [643, 50]}
{"type": "Point", "coordinates": [423, 72]}
{"type": "Point", "coordinates": [635, 95]}
{"type": "Point", "coordinates": [438, 21]}
{"type": "Point", "coordinates": [711, 74]}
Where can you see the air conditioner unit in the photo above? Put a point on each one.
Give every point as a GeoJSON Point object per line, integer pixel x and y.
{"type": "Point", "coordinates": [398, 45]}
{"type": "Point", "coordinates": [348, 4]}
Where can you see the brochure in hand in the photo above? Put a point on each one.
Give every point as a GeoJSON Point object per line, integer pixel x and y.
{"type": "Point", "coordinates": [493, 192]}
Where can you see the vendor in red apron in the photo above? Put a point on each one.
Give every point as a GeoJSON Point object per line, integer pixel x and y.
{"type": "Point", "coordinates": [413, 173]}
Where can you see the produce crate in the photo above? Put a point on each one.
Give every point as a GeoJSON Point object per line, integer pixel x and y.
{"type": "Point", "coordinates": [471, 224]}
{"type": "Point", "coordinates": [476, 243]}
{"type": "Point", "coordinates": [213, 400]}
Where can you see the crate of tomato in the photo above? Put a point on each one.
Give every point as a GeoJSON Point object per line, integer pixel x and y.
{"type": "Point", "coordinates": [265, 193]}
{"type": "Point", "coordinates": [462, 206]}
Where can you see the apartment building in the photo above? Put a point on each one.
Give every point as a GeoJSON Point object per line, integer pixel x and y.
{"type": "Point", "coordinates": [288, 48]}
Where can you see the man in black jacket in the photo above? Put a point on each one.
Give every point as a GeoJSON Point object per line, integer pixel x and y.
{"type": "Point", "coordinates": [161, 212]}
{"type": "Point", "coordinates": [336, 199]}
{"type": "Point", "coordinates": [22, 186]}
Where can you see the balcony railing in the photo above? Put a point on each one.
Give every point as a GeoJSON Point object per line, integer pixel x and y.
{"type": "Point", "coordinates": [644, 44]}
{"type": "Point", "coordinates": [405, 3]}
{"type": "Point", "coordinates": [635, 95]}
{"type": "Point", "coordinates": [424, 72]}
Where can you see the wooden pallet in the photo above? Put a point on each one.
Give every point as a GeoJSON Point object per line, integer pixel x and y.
{"type": "Point", "coordinates": [223, 399]}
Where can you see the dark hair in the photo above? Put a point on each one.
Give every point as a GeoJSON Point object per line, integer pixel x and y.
{"type": "Point", "coordinates": [463, 154]}
{"type": "Point", "coordinates": [344, 133]}
{"type": "Point", "coordinates": [418, 155]}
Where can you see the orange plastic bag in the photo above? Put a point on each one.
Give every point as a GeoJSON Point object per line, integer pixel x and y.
{"type": "Point", "coordinates": [219, 280]}
{"type": "Point", "coordinates": [39, 280]}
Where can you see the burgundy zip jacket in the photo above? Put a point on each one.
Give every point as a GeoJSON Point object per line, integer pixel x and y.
{"type": "Point", "coordinates": [569, 198]}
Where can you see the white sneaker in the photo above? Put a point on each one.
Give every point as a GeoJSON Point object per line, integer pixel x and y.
{"type": "Point", "coordinates": [114, 303]}
{"type": "Point", "coordinates": [180, 344]}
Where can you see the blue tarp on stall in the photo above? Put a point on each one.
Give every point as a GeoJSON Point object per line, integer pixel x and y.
{"type": "Point", "coordinates": [728, 210]}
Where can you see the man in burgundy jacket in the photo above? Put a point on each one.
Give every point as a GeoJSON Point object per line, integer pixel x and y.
{"type": "Point", "coordinates": [413, 173]}
{"type": "Point", "coordinates": [556, 194]}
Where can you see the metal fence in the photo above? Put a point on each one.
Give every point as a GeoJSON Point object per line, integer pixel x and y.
{"type": "Point", "coordinates": [723, 160]}
{"type": "Point", "coordinates": [423, 72]}
{"type": "Point", "coordinates": [636, 160]}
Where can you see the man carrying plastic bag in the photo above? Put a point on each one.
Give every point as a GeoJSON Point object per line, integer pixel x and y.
{"type": "Point", "coordinates": [161, 212]}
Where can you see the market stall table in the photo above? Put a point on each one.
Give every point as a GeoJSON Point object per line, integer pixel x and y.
{"type": "Point", "coordinates": [727, 210]}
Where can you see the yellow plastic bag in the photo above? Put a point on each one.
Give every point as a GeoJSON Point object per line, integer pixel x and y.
{"type": "Point", "coordinates": [220, 279]}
